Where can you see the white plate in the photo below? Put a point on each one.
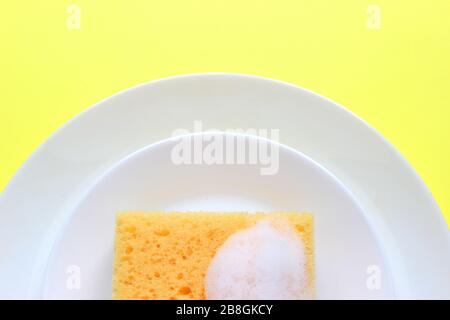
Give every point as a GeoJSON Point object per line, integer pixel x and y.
{"type": "Point", "coordinates": [406, 218]}
{"type": "Point", "coordinates": [149, 180]}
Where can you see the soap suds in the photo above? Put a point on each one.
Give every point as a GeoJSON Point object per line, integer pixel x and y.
{"type": "Point", "coordinates": [265, 261]}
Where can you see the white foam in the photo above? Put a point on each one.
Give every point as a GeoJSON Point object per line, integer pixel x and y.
{"type": "Point", "coordinates": [261, 262]}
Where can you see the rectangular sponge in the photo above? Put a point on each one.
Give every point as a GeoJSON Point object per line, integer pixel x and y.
{"type": "Point", "coordinates": [166, 255]}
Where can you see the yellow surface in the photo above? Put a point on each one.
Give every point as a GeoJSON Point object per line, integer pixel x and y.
{"type": "Point", "coordinates": [396, 77]}
{"type": "Point", "coordinates": [166, 256]}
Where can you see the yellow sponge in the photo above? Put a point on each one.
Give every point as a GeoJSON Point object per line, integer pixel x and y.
{"type": "Point", "coordinates": [166, 255]}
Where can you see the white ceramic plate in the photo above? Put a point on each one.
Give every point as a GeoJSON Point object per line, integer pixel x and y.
{"type": "Point", "coordinates": [149, 180]}
{"type": "Point", "coordinates": [39, 198]}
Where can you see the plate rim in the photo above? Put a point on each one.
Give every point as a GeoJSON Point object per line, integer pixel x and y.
{"type": "Point", "coordinates": [102, 104]}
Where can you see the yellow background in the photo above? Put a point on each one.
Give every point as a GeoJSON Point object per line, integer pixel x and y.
{"type": "Point", "coordinates": [397, 78]}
